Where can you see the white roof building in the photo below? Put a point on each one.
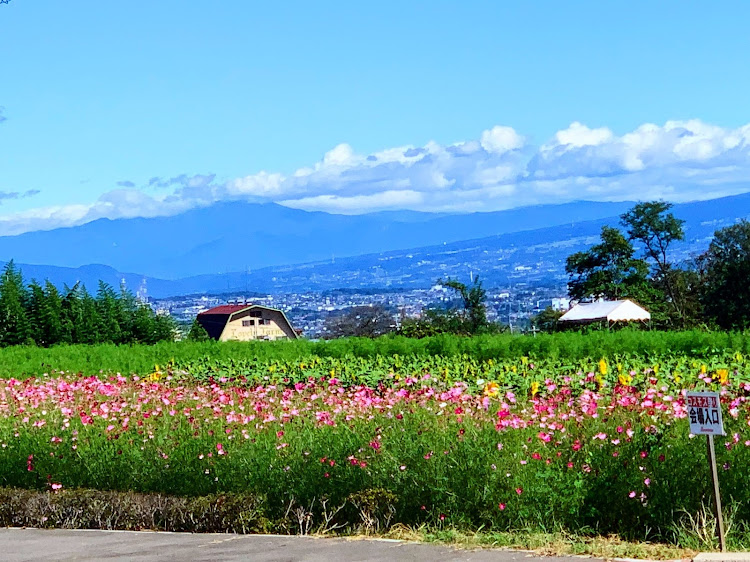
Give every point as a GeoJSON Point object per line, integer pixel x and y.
{"type": "Point", "coordinates": [609, 311]}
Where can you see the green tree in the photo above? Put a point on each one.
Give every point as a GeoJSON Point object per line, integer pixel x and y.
{"type": "Point", "coordinates": [110, 313]}
{"type": "Point", "coordinates": [197, 332]}
{"type": "Point", "coordinates": [360, 321]}
{"type": "Point", "coordinates": [51, 327]}
{"type": "Point", "coordinates": [609, 270]}
{"type": "Point", "coordinates": [165, 328]}
{"type": "Point", "coordinates": [15, 327]}
{"type": "Point", "coordinates": [70, 313]}
{"type": "Point", "coordinates": [127, 309]}
{"type": "Point", "coordinates": [89, 326]}
{"type": "Point", "coordinates": [652, 225]}
{"type": "Point", "coordinates": [726, 268]}
{"type": "Point", "coordinates": [546, 320]}
{"type": "Point", "coordinates": [143, 325]}
{"type": "Point", "coordinates": [473, 298]}
{"type": "Point", "coordinates": [35, 311]}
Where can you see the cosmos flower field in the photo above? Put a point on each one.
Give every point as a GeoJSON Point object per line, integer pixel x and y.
{"type": "Point", "coordinates": [597, 445]}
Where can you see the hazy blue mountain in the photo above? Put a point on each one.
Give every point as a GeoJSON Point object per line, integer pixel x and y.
{"type": "Point", "coordinates": [90, 275]}
{"type": "Point", "coordinates": [531, 257]}
{"type": "Point", "coordinates": [518, 255]}
{"type": "Point", "coordinates": [238, 236]}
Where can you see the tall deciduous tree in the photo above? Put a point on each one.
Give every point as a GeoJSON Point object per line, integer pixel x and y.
{"type": "Point", "coordinates": [726, 265]}
{"type": "Point", "coordinates": [473, 299]}
{"type": "Point", "coordinates": [360, 321]}
{"type": "Point", "coordinates": [608, 270]}
{"type": "Point", "coordinates": [652, 225]}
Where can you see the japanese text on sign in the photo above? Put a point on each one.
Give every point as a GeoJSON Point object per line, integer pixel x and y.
{"type": "Point", "coordinates": [704, 411]}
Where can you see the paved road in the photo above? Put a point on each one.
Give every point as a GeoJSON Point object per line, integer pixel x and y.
{"type": "Point", "coordinates": [40, 544]}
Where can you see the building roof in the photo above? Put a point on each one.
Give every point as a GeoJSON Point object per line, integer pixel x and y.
{"type": "Point", "coordinates": [227, 308]}
{"type": "Point", "coordinates": [611, 311]}
{"type": "Point", "coordinates": [215, 319]}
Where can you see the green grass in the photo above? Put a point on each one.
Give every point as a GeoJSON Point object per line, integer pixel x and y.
{"type": "Point", "coordinates": [21, 361]}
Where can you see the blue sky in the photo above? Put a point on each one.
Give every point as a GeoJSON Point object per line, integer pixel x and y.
{"type": "Point", "coordinates": [146, 108]}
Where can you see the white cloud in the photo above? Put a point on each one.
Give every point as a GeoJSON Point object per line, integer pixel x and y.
{"type": "Point", "coordinates": [262, 184]}
{"type": "Point", "coordinates": [353, 205]}
{"type": "Point", "coordinates": [578, 135]}
{"type": "Point", "coordinates": [679, 161]}
{"type": "Point", "coordinates": [501, 139]}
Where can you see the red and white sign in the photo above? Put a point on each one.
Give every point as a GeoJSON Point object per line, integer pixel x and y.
{"type": "Point", "coordinates": [704, 412]}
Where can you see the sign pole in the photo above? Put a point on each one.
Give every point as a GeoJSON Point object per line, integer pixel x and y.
{"type": "Point", "coordinates": [717, 495]}
{"type": "Point", "coordinates": [704, 411]}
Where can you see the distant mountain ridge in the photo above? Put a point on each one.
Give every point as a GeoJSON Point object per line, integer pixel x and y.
{"type": "Point", "coordinates": [531, 256]}
{"type": "Point", "coordinates": [236, 236]}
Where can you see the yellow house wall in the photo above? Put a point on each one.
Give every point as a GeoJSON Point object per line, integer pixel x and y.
{"type": "Point", "coordinates": [274, 330]}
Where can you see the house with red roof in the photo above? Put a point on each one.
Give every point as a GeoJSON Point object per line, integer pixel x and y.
{"type": "Point", "coordinates": [245, 322]}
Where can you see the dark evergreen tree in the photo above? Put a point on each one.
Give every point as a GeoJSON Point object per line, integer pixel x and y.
{"type": "Point", "coordinates": [37, 302]}
{"type": "Point", "coordinates": [45, 316]}
{"type": "Point", "coordinates": [108, 306]}
{"type": "Point", "coordinates": [51, 316]}
{"type": "Point", "coordinates": [70, 313]}
{"type": "Point", "coordinates": [165, 328]}
{"type": "Point", "coordinates": [144, 329]}
{"type": "Point", "coordinates": [197, 332]}
{"type": "Point", "coordinates": [127, 308]}
{"type": "Point", "coordinates": [15, 327]}
{"type": "Point", "coordinates": [90, 326]}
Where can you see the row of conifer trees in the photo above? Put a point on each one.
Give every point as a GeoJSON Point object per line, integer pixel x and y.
{"type": "Point", "coordinates": [42, 314]}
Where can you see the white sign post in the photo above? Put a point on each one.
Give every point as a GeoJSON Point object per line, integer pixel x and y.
{"type": "Point", "coordinates": [704, 411]}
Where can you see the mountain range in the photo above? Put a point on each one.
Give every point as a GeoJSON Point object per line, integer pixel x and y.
{"type": "Point", "coordinates": [270, 248]}
{"type": "Point", "coordinates": [238, 236]}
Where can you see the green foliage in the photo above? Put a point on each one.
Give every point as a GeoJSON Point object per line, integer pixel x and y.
{"type": "Point", "coordinates": [229, 358]}
{"type": "Point", "coordinates": [726, 292]}
{"type": "Point", "coordinates": [652, 225]}
{"type": "Point", "coordinates": [197, 332]}
{"type": "Point", "coordinates": [15, 327]}
{"type": "Point", "coordinates": [470, 319]}
{"type": "Point", "coordinates": [360, 321]}
{"type": "Point", "coordinates": [613, 270]}
{"type": "Point", "coordinates": [474, 308]}
{"type": "Point", "coordinates": [43, 316]}
{"type": "Point", "coordinates": [546, 320]}
{"type": "Point", "coordinates": [427, 469]}
{"type": "Point", "coordinates": [656, 229]}
{"type": "Point", "coordinates": [609, 270]}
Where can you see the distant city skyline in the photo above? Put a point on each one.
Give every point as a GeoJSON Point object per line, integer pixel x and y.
{"type": "Point", "coordinates": [121, 110]}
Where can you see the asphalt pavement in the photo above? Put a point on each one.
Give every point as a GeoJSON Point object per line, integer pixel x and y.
{"type": "Point", "coordinates": [17, 545]}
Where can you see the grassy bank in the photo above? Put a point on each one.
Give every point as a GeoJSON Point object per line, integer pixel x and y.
{"type": "Point", "coordinates": [246, 513]}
